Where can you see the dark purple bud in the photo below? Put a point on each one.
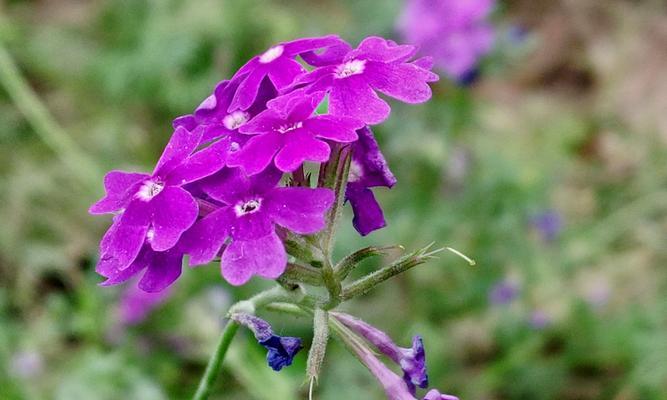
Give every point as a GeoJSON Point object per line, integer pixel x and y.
{"type": "Point", "coordinates": [282, 349]}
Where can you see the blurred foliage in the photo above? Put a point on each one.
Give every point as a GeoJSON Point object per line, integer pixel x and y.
{"type": "Point", "coordinates": [564, 118]}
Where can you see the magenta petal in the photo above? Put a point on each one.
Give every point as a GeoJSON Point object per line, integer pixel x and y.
{"type": "Point", "coordinates": [204, 240]}
{"type": "Point", "coordinates": [137, 265]}
{"type": "Point", "coordinates": [265, 257]}
{"type": "Point", "coordinates": [266, 121]}
{"type": "Point", "coordinates": [247, 90]}
{"type": "Point", "coordinates": [122, 242]}
{"type": "Point", "coordinates": [163, 269]}
{"type": "Point", "coordinates": [379, 49]}
{"type": "Point", "coordinates": [405, 82]}
{"type": "Point", "coordinates": [201, 164]}
{"type": "Point", "coordinates": [174, 211]}
{"type": "Point", "coordinates": [226, 186]}
{"type": "Point", "coordinates": [251, 226]}
{"type": "Point", "coordinates": [257, 153]}
{"type": "Point", "coordinates": [119, 186]}
{"type": "Point", "coordinates": [283, 71]}
{"type": "Point", "coordinates": [332, 127]}
{"type": "Point", "coordinates": [180, 146]}
{"type": "Point", "coordinates": [301, 146]}
{"type": "Point", "coordinates": [353, 97]}
{"type": "Point", "coordinates": [301, 210]}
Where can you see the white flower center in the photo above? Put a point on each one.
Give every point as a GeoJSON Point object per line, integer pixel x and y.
{"type": "Point", "coordinates": [233, 147]}
{"type": "Point", "coordinates": [150, 234]}
{"type": "Point", "coordinates": [271, 54]}
{"type": "Point", "coordinates": [247, 207]}
{"type": "Point", "coordinates": [356, 172]}
{"type": "Point", "coordinates": [149, 190]}
{"type": "Point", "coordinates": [290, 127]}
{"type": "Point", "coordinates": [235, 120]}
{"type": "Point", "coordinates": [352, 67]}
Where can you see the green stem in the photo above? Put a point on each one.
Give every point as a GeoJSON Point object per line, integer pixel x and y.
{"type": "Point", "coordinates": [44, 124]}
{"type": "Point", "coordinates": [215, 362]}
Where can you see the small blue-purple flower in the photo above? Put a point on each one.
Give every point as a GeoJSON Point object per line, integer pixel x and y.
{"type": "Point", "coordinates": [281, 349]}
{"type": "Point", "coordinates": [548, 224]}
{"type": "Point", "coordinates": [539, 320]}
{"type": "Point", "coordinates": [411, 360]}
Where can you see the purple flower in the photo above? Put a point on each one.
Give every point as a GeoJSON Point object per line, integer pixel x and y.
{"type": "Point", "coordinates": [411, 360]}
{"type": "Point", "coordinates": [434, 394]}
{"type": "Point", "coordinates": [154, 203]}
{"type": "Point", "coordinates": [278, 64]}
{"type": "Point", "coordinates": [455, 33]}
{"type": "Point", "coordinates": [539, 320]}
{"type": "Point", "coordinates": [26, 364]}
{"type": "Point", "coordinates": [368, 169]}
{"type": "Point", "coordinates": [214, 119]}
{"type": "Point", "coordinates": [377, 64]}
{"type": "Point", "coordinates": [135, 305]}
{"type": "Point", "coordinates": [549, 224]}
{"type": "Point", "coordinates": [249, 209]}
{"type": "Point", "coordinates": [281, 349]}
{"type": "Point", "coordinates": [290, 132]}
{"type": "Point", "coordinates": [503, 292]}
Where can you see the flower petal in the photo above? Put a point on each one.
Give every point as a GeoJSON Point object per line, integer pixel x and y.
{"type": "Point", "coordinates": [283, 71]}
{"type": "Point", "coordinates": [120, 187]}
{"type": "Point", "coordinates": [204, 240]}
{"type": "Point", "coordinates": [162, 270]}
{"type": "Point", "coordinates": [332, 127]}
{"type": "Point", "coordinates": [174, 211]}
{"type": "Point", "coordinates": [301, 146]}
{"type": "Point", "coordinates": [257, 153]}
{"type": "Point", "coordinates": [353, 97]}
{"type": "Point", "coordinates": [122, 242]}
{"type": "Point", "coordinates": [180, 146]}
{"type": "Point", "coordinates": [405, 82]}
{"type": "Point", "coordinates": [368, 215]}
{"type": "Point", "coordinates": [201, 164]}
{"type": "Point", "coordinates": [302, 210]}
{"type": "Point", "coordinates": [380, 49]}
{"type": "Point", "coordinates": [265, 257]}
{"type": "Point", "coordinates": [247, 91]}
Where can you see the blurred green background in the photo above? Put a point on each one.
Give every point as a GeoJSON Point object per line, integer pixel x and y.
{"type": "Point", "coordinates": [568, 121]}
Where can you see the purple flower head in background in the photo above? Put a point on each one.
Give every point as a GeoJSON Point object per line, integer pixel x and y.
{"type": "Point", "coordinates": [539, 320]}
{"type": "Point", "coordinates": [250, 207]}
{"type": "Point", "coordinates": [155, 203]}
{"type": "Point", "coordinates": [214, 119]}
{"type": "Point", "coordinates": [548, 224]}
{"type": "Point", "coordinates": [135, 305]}
{"type": "Point", "coordinates": [455, 33]}
{"type": "Point", "coordinates": [26, 364]}
{"type": "Point", "coordinates": [281, 349]}
{"type": "Point", "coordinates": [368, 169]}
{"type": "Point", "coordinates": [290, 132]}
{"type": "Point", "coordinates": [377, 64]}
{"type": "Point", "coordinates": [503, 292]}
{"type": "Point", "coordinates": [278, 64]}
{"type": "Point", "coordinates": [411, 360]}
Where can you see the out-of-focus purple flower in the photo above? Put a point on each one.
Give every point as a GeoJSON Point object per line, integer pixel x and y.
{"type": "Point", "coordinates": [548, 224]}
{"type": "Point", "coordinates": [434, 394]}
{"type": "Point", "coordinates": [278, 64]}
{"type": "Point", "coordinates": [250, 206]}
{"type": "Point", "coordinates": [213, 118]}
{"type": "Point", "coordinates": [135, 305]}
{"type": "Point", "coordinates": [597, 293]}
{"type": "Point", "coordinates": [154, 203]}
{"type": "Point", "coordinates": [26, 364]}
{"type": "Point", "coordinates": [539, 320]}
{"type": "Point", "coordinates": [455, 33]}
{"type": "Point", "coordinates": [411, 360]}
{"type": "Point", "coordinates": [368, 169]}
{"type": "Point", "coordinates": [289, 134]}
{"type": "Point", "coordinates": [281, 349]}
{"type": "Point", "coordinates": [503, 292]}
{"type": "Point", "coordinates": [377, 64]}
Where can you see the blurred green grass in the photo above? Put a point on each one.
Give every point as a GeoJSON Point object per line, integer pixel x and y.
{"type": "Point", "coordinates": [565, 121]}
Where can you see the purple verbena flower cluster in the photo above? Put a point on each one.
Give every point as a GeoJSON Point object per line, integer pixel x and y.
{"type": "Point", "coordinates": [455, 33]}
{"type": "Point", "coordinates": [219, 189]}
